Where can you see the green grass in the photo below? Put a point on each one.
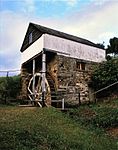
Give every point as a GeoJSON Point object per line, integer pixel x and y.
{"type": "Point", "coordinates": [48, 129]}
{"type": "Point", "coordinates": [101, 115]}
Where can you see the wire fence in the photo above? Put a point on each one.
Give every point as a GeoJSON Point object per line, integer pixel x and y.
{"type": "Point", "coordinates": [7, 73]}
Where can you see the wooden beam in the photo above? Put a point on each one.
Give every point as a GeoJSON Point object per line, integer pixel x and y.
{"type": "Point", "coordinates": [43, 77]}
{"type": "Point", "coordinates": [33, 85]}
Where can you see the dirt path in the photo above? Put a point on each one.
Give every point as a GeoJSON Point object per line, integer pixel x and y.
{"type": "Point", "coordinates": [113, 132]}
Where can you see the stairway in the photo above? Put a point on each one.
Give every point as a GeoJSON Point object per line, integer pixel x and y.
{"type": "Point", "coordinates": [52, 86]}
{"type": "Point", "coordinates": [56, 94]}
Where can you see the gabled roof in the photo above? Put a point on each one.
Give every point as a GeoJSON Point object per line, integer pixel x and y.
{"type": "Point", "coordinates": [45, 30]}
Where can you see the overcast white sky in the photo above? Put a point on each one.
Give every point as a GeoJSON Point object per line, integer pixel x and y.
{"type": "Point", "coordinates": [95, 20]}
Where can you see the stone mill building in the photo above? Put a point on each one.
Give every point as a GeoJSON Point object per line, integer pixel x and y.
{"type": "Point", "coordinates": [57, 65]}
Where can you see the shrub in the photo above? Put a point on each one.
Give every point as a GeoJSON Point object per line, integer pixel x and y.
{"type": "Point", "coordinates": [105, 74]}
{"type": "Point", "coordinates": [95, 116]}
{"type": "Point", "coordinates": [9, 87]}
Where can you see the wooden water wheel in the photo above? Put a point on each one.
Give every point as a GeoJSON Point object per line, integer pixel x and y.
{"type": "Point", "coordinates": [36, 96]}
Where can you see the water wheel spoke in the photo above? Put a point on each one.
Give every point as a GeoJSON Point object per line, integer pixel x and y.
{"type": "Point", "coordinates": [38, 88]}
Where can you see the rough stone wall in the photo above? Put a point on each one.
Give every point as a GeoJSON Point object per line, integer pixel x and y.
{"type": "Point", "coordinates": [67, 78]}
{"type": "Point", "coordinates": [25, 80]}
{"type": "Point", "coordinates": [82, 80]}
{"type": "Point", "coordinates": [52, 70]}
{"type": "Point", "coordinates": [74, 79]}
{"type": "Point", "coordinates": [66, 75]}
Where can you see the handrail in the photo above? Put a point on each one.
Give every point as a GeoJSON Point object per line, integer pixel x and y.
{"type": "Point", "coordinates": [105, 88]}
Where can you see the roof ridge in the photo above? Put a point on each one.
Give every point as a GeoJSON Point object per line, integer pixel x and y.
{"type": "Point", "coordinates": [60, 33]}
{"type": "Point", "coordinates": [47, 30]}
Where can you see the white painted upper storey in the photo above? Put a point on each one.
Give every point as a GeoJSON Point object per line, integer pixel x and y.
{"type": "Point", "coordinates": [64, 47]}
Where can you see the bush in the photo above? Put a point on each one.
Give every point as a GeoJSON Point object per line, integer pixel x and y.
{"type": "Point", "coordinates": [95, 116]}
{"type": "Point", "coordinates": [106, 74]}
{"type": "Point", "coordinates": [9, 87]}
{"type": "Point", "coordinates": [106, 117]}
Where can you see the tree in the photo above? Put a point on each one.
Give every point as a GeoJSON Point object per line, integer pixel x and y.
{"type": "Point", "coordinates": [105, 74]}
{"type": "Point", "coordinates": [113, 47]}
{"type": "Point", "coordinates": [101, 45]}
{"type": "Point", "coordinates": [3, 87]}
{"type": "Point", "coordinates": [9, 87]}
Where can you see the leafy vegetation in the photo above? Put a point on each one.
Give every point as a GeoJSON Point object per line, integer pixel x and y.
{"type": "Point", "coordinates": [48, 129]}
{"type": "Point", "coordinates": [101, 45]}
{"type": "Point", "coordinates": [105, 74]}
{"type": "Point", "coordinates": [113, 46]}
{"type": "Point", "coordinates": [9, 87]}
{"type": "Point", "coordinates": [101, 115]}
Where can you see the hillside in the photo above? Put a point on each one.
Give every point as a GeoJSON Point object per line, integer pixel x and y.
{"type": "Point", "coordinates": [30, 128]}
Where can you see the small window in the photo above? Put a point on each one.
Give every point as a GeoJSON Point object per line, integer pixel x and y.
{"type": "Point", "coordinates": [78, 65]}
{"type": "Point", "coordinates": [81, 66]}
{"type": "Point", "coordinates": [30, 38]}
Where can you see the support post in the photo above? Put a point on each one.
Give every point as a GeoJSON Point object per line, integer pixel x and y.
{"type": "Point", "coordinates": [79, 98]}
{"type": "Point", "coordinates": [7, 87]}
{"type": "Point", "coordinates": [33, 85]}
{"type": "Point", "coordinates": [43, 77]}
{"type": "Point", "coordinates": [63, 104]}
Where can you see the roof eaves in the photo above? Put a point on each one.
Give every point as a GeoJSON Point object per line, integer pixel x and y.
{"type": "Point", "coordinates": [64, 35]}
{"type": "Point", "coordinates": [60, 34]}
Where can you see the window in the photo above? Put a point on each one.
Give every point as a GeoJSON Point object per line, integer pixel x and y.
{"type": "Point", "coordinates": [30, 38]}
{"type": "Point", "coordinates": [78, 65]}
{"type": "Point", "coordinates": [81, 65]}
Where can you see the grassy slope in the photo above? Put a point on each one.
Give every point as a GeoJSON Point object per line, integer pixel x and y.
{"type": "Point", "coordinates": [47, 129]}
{"type": "Point", "coordinates": [101, 115]}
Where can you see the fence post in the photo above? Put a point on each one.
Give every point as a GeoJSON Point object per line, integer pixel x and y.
{"type": "Point", "coordinates": [95, 98]}
{"type": "Point", "coordinates": [63, 104]}
{"type": "Point", "coordinates": [79, 99]}
{"type": "Point", "coordinates": [7, 88]}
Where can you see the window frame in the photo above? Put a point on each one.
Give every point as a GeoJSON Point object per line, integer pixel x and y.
{"type": "Point", "coordinates": [81, 66]}
{"type": "Point", "coordinates": [30, 38]}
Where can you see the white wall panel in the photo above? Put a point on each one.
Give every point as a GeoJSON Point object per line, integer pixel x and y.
{"type": "Point", "coordinates": [64, 47]}
{"type": "Point", "coordinates": [32, 50]}
{"type": "Point", "coordinates": [73, 49]}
